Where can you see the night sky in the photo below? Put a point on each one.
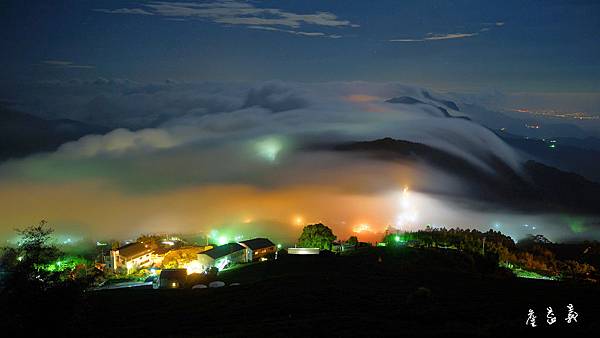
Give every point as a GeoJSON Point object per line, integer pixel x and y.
{"type": "Point", "coordinates": [122, 117]}
{"type": "Point", "coordinates": [511, 46]}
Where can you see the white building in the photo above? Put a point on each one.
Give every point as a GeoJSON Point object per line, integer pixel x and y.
{"type": "Point", "coordinates": [131, 257]}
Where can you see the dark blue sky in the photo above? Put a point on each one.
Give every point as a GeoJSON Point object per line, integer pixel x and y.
{"type": "Point", "coordinates": [512, 46]}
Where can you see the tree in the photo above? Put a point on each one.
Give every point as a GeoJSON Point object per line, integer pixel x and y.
{"type": "Point", "coordinates": [353, 240]}
{"type": "Point", "coordinates": [41, 285]}
{"type": "Point", "coordinates": [36, 263]}
{"type": "Point", "coordinates": [317, 236]}
{"type": "Point", "coordinates": [33, 252]}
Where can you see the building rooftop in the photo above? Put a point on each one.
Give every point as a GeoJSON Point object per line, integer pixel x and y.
{"type": "Point", "coordinates": [257, 243]}
{"type": "Point", "coordinates": [133, 250]}
{"type": "Point", "coordinates": [223, 250]}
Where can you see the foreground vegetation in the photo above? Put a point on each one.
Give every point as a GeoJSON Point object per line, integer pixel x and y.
{"type": "Point", "coordinates": [532, 256]}
{"type": "Point", "coordinates": [370, 292]}
{"type": "Point", "coordinates": [417, 276]}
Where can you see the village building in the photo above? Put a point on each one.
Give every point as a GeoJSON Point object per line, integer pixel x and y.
{"type": "Point", "coordinates": [258, 248]}
{"type": "Point", "coordinates": [158, 255]}
{"type": "Point", "coordinates": [131, 257]}
{"type": "Point", "coordinates": [182, 256]}
{"type": "Point", "coordinates": [223, 255]}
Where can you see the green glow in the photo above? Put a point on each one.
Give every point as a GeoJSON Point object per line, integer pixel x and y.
{"type": "Point", "coordinates": [397, 238]}
{"type": "Point", "coordinates": [269, 148]}
{"type": "Point", "coordinates": [552, 146]}
{"type": "Point", "coordinates": [576, 224]}
{"type": "Point", "coordinates": [530, 274]}
{"type": "Point", "coordinates": [279, 246]}
{"type": "Point", "coordinates": [577, 227]}
{"type": "Point", "coordinates": [223, 240]}
{"type": "Point", "coordinates": [65, 263]}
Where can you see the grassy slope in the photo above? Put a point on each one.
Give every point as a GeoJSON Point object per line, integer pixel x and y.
{"type": "Point", "coordinates": [346, 295]}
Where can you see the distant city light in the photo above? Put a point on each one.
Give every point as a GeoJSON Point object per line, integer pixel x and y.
{"type": "Point", "coordinates": [408, 214]}
{"type": "Point", "coordinates": [298, 220]}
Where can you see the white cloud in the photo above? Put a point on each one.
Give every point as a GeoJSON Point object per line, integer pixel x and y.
{"type": "Point", "coordinates": [120, 141]}
{"type": "Point", "coordinates": [436, 37]}
{"type": "Point", "coordinates": [450, 36]}
{"type": "Point", "coordinates": [124, 11]}
{"type": "Point", "coordinates": [65, 64]}
{"type": "Point", "coordinates": [233, 12]}
{"type": "Point", "coordinates": [302, 33]}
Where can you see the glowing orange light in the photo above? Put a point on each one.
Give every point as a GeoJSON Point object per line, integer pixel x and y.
{"type": "Point", "coordinates": [361, 98]}
{"type": "Point", "coordinates": [362, 228]}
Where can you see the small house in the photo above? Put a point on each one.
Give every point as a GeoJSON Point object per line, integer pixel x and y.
{"type": "Point", "coordinates": [172, 279]}
{"type": "Point", "coordinates": [258, 248]}
{"type": "Point", "coordinates": [222, 255]}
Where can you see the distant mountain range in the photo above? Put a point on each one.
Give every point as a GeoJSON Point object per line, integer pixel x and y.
{"type": "Point", "coordinates": [23, 134]}
{"type": "Point", "coordinates": [566, 153]}
{"type": "Point", "coordinates": [433, 102]}
{"type": "Point", "coordinates": [538, 187]}
{"type": "Point", "coordinates": [570, 154]}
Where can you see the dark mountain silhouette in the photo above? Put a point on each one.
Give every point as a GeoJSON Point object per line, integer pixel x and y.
{"type": "Point", "coordinates": [411, 100]}
{"type": "Point", "coordinates": [404, 100]}
{"type": "Point", "coordinates": [23, 134]}
{"type": "Point", "coordinates": [446, 103]}
{"type": "Point", "coordinates": [537, 188]}
{"type": "Point", "coordinates": [563, 153]}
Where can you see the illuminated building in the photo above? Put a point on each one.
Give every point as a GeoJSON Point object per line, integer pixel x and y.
{"type": "Point", "coordinates": [303, 251]}
{"type": "Point", "coordinates": [180, 257]}
{"type": "Point", "coordinates": [258, 248]}
{"type": "Point", "coordinates": [342, 247]}
{"type": "Point", "coordinates": [223, 255]}
{"type": "Point", "coordinates": [131, 257]}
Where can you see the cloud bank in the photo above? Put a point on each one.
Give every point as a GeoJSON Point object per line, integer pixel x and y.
{"type": "Point", "coordinates": [450, 36]}
{"type": "Point", "coordinates": [229, 12]}
{"type": "Point", "coordinates": [195, 156]}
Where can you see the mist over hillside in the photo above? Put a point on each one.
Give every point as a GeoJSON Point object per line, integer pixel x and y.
{"type": "Point", "coordinates": [235, 148]}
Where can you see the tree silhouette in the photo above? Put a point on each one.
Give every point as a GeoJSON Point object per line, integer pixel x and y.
{"type": "Point", "coordinates": [353, 240]}
{"type": "Point", "coordinates": [316, 236]}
